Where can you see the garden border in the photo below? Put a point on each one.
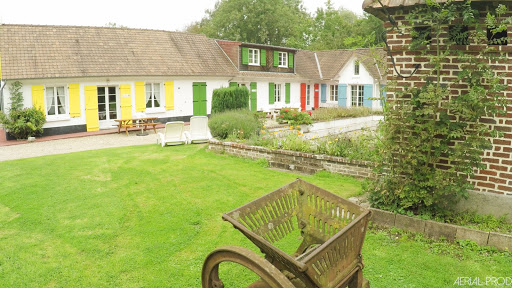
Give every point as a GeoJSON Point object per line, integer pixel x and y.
{"type": "Point", "coordinates": [437, 230]}
{"type": "Point", "coordinates": [295, 161]}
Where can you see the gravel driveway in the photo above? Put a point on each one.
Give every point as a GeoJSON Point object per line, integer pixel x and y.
{"type": "Point", "coordinates": [69, 145]}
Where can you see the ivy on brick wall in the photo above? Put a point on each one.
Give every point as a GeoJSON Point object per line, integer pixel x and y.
{"type": "Point", "coordinates": [436, 129]}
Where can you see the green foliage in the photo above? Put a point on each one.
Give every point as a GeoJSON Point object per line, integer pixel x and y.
{"type": "Point", "coordinates": [359, 146]}
{"type": "Point", "coordinates": [21, 123]}
{"type": "Point", "coordinates": [16, 97]}
{"type": "Point", "coordinates": [433, 140]}
{"type": "Point", "coordinates": [240, 124]}
{"type": "Point", "coordinates": [293, 117]}
{"type": "Point", "coordinates": [333, 113]}
{"type": "Point", "coordinates": [273, 22]}
{"type": "Point", "coordinates": [343, 29]}
{"type": "Point", "coordinates": [295, 142]}
{"type": "Point", "coordinates": [25, 123]}
{"type": "Point", "coordinates": [286, 22]}
{"type": "Point", "coordinates": [233, 98]}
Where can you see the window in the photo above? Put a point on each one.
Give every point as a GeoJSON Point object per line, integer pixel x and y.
{"type": "Point", "coordinates": [308, 95]}
{"type": "Point", "coordinates": [153, 95]}
{"type": "Point", "coordinates": [283, 59]}
{"type": "Point", "coordinates": [334, 93]}
{"type": "Point", "coordinates": [277, 93]}
{"type": "Point", "coordinates": [254, 56]}
{"type": "Point", "coordinates": [356, 68]}
{"type": "Point", "coordinates": [357, 95]}
{"type": "Point", "coordinates": [56, 101]}
{"type": "Point", "coordinates": [496, 36]}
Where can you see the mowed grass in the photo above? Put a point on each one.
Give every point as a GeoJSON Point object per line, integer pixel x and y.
{"type": "Point", "coordinates": [147, 216]}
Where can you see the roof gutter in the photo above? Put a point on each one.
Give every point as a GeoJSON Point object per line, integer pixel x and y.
{"type": "Point", "coordinates": [318, 66]}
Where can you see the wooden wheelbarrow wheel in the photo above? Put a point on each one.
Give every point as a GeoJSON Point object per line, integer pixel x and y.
{"type": "Point", "coordinates": [268, 273]}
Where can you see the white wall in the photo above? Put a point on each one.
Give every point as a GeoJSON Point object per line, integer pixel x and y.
{"type": "Point", "coordinates": [183, 105]}
{"type": "Point", "coordinates": [346, 76]}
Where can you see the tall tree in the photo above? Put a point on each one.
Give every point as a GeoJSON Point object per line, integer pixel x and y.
{"type": "Point", "coordinates": [340, 29]}
{"type": "Point", "coordinates": [274, 22]}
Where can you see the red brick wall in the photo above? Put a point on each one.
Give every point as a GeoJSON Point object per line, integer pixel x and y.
{"type": "Point", "coordinates": [497, 176]}
{"type": "Point", "coordinates": [231, 49]}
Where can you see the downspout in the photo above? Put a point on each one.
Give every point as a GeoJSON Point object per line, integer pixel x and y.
{"type": "Point", "coordinates": [2, 85]}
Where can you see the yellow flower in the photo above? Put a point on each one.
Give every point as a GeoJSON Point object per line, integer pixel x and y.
{"type": "Point", "coordinates": [262, 132]}
{"type": "Point", "coordinates": [297, 126]}
{"type": "Point", "coordinates": [336, 139]}
{"type": "Point", "coordinates": [330, 142]}
{"type": "Point", "coordinates": [263, 127]}
{"type": "Point", "coordinates": [285, 127]}
{"type": "Point", "coordinates": [291, 127]}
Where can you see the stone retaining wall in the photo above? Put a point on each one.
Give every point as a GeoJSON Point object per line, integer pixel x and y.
{"type": "Point", "coordinates": [437, 230]}
{"type": "Point", "coordinates": [295, 161]}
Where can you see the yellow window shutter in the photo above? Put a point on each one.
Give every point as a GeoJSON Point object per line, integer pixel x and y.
{"type": "Point", "coordinates": [140, 97]}
{"type": "Point", "coordinates": [169, 95]}
{"type": "Point", "coordinates": [126, 101]}
{"type": "Point", "coordinates": [38, 97]}
{"type": "Point", "coordinates": [91, 108]}
{"type": "Point", "coordinates": [74, 100]}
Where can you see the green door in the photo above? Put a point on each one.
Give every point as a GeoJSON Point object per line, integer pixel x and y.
{"type": "Point", "coordinates": [254, 102]}
{"type": "Point", "coordinates": [199, 98]}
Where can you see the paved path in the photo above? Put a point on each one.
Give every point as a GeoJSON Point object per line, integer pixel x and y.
{"type": "Point", "coordinates": [68, 145]}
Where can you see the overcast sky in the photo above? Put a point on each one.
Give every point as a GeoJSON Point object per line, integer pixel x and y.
{"type": "Point", "coordinates": [151, 14]}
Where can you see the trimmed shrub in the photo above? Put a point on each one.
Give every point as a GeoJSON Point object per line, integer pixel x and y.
{"type": "Point", "coordinates": [240, 124]}
{"type": "Point", "coordinates": [25, 123]}
{"type": "Point", "coordinates": [233, 98]}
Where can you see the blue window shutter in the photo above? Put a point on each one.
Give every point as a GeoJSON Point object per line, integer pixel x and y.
{"type": "Point", "coordinates": [323, 95]}
{"type": "Point", "coordinates": [342, 95]}
{"type": "Point", "coordinates": [367, 94]}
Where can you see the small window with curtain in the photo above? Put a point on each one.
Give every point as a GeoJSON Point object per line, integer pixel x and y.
{"type": "Point", "coordinates": [334, 93]}
{"type": "Point", "coordinates": [153, 99]}
{"type": "Point", "coordinates": [254, 56]}
{"type": "Point", "coordinates": [56, 104]}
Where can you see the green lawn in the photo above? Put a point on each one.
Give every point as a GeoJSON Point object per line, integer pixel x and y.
{"type": "Point", "coordinates": [145, 216]}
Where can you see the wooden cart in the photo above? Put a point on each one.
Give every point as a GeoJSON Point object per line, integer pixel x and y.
{"type": "Point", "coordinates": [332, 232]}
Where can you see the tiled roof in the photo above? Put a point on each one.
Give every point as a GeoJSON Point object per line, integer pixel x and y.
{"type": "Point", "coordinates": [374, 61]}
{"type": "Point", "coordinates": [30, 51]}
{"type": "Point", "coordinates": [332, 62]}
{"type": "Point", "coordinates": [269, 75]}
{"type": "Point", "coordinates": [306, 65]}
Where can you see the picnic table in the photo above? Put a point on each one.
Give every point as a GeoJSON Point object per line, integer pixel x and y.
{"type": "Point", "coordinates": [142, 123]}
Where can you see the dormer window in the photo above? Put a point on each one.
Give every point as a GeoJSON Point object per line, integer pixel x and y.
{"type": "Point", "coordinates": [254, 56]}
{"type": "Point", "coordinates": [356, 68]}
{"type": "Point", "coordinates": [283, 59]}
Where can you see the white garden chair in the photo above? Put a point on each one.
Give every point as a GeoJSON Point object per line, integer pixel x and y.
{"type": "Point", "coordinates": [173, 134]}
{"type": "Point", "coordinates": [199, 131]}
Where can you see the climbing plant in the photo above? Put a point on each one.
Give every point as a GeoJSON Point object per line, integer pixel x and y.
{"type": "Point", "coordinates": [435, 132]}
